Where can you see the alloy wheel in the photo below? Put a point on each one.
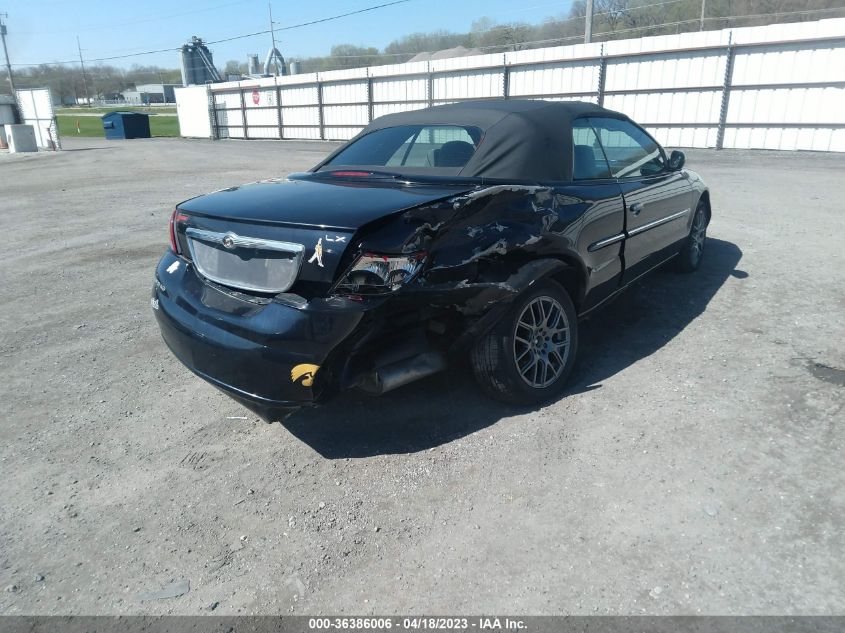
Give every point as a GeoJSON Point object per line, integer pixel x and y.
{"type": "Point", "coordinates": [541, 342]}
{"type": "Point", "coordinates": [697, 236]}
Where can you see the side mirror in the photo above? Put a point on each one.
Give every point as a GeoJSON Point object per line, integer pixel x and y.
{"type": "Point", "coordinates": [676, 160]}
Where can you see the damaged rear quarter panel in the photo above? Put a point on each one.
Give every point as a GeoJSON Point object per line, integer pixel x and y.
{"type": "Point", "coordinates": [479, 240]}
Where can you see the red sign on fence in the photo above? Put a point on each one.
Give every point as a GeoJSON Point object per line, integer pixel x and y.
{"type": "Point", "coordinates": [255, 96]}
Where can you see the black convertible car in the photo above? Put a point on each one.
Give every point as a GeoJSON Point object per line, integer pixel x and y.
{"type": "Point", "coordinates": [483, 228]}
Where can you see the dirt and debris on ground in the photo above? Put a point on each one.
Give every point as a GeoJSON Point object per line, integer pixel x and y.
{"type": "Point", "coordinates": [694, 466]}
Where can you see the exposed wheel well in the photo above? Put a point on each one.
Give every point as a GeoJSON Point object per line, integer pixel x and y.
{"type": "Point", "coordinates": [522, 272]}
{"type": "Point", "coordinates": [572, 280]}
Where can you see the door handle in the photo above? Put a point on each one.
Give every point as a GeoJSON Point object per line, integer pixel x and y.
{"type": "Point", "coordinates": [636, 208]}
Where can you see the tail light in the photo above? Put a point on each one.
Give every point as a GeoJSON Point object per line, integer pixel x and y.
{"type": "Point", "coordinates": [373, 273]}
{"type": "Point", "coordinates": [175, 218]}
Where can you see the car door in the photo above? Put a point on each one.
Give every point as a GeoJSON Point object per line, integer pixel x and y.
{"type": "Point", "coordinates": [594, 197]}
{"type": "Point", "coordinates": [658, 200]}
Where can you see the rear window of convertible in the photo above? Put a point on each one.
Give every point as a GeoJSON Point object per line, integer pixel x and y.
{"type": "Point", "coordinates": [416, 146]}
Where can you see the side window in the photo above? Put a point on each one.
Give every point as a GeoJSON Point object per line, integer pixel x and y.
{"type": "Point", "coordinates": [588, 161]}
{"type": "Point", "coordinates": [629, 150]}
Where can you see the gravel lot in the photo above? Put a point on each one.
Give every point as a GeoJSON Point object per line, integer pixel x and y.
{"type": "Point", "coordinates": [695, 466]}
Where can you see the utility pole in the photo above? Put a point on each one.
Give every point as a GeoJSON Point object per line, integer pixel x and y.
{"type": "Point", "coordinates": [6, 52]}
{"type": "Point", "coordinates": [273, 38]}
{"type": "Point", "coordinates": [588, 23]}
{"type": "Point", "coordinates": [703, 2]}
{"type": "Point", "coordinates": [84, 80]}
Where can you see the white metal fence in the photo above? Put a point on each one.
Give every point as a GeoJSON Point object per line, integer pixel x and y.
{"type": "Point", "coordinates": [774, 87]}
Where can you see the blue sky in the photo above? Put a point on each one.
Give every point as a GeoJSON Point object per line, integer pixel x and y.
{"type": "Point", "coordinates": [45, 31]}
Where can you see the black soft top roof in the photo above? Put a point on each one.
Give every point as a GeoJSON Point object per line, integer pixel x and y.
{"type": "Point", "coordinates": [523, 139]}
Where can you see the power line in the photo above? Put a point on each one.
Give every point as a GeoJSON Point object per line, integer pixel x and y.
{"type": "Point", "coordinates": [690, 21]}
{"type": "Point", "coordinates": [579, 18]}
{"type": "Point", "coordinates": [220, 41]}
{"type": "Point", "coordinates": [776, 15]}
{"type": "Point", "coordinates": [581, 36]}
{"type": "Point", "coordinates": [297, 26]}
{"type": "Point", "coordinates": [342, 15]}
{"type": "Point", "coordinates": [723, 17]}
{"type": "Point", "coordinates": [504, 27]}
{"type": "Point", "coordinates": [102, 59]}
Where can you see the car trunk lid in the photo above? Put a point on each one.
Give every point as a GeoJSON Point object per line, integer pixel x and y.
{"type": "Point", "coordinates": [279, 235]}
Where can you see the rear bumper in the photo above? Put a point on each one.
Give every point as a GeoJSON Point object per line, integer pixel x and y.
{"type": "Point", "coordinates": [268, 356]}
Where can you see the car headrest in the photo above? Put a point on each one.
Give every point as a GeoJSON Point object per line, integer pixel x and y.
{"type": "Point", "coordinates": [453, 154]}
{"type": "Point", "coordinates": [584, 165]}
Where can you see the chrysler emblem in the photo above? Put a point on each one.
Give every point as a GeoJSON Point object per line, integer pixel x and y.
{"type": "Point", "coordinates": [228, 241]}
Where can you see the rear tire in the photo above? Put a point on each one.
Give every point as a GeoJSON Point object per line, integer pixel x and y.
{"type": "Point", "coordinates": [690, 255]}
{"type": "Point", "coordinates": [528, 355]}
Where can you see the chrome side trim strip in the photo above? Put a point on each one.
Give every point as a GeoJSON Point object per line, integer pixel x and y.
{"type": "Point", "coordinates": [606, 242]}
{"type": "Point", "coordinates": [231, 240]}
{"type": "Point", "coordinates": [656, 223]}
